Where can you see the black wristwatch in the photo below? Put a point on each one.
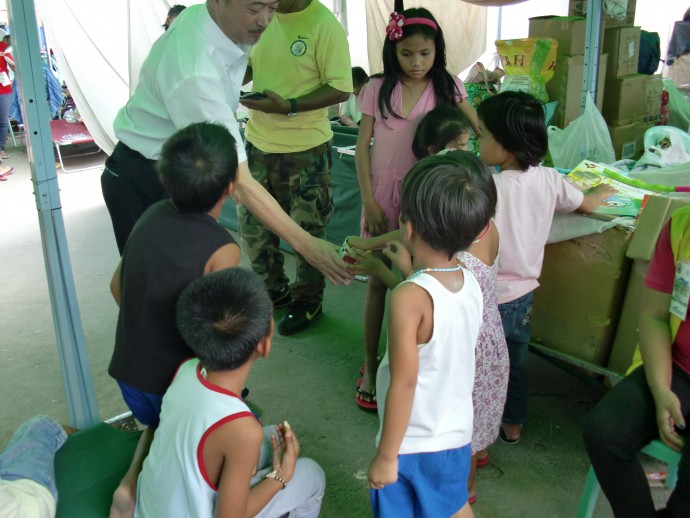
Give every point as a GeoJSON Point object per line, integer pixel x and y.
{"type": "Point", "coordinates": [293, 108]}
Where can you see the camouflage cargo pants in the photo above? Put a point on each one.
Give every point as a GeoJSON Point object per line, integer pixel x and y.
{"type": "Point", "coordinates": [301, 183]}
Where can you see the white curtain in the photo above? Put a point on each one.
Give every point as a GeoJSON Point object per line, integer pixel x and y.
{"type": "Point", "coordinates": [464, 30]}
{"type": "Point", "coordinates": [100, 46]}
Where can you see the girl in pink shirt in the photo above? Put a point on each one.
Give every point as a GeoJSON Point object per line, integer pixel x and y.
{"type": "Point", "coordinates": [512, 137]}
{"type": "Point", "coordinates": [413, 82]}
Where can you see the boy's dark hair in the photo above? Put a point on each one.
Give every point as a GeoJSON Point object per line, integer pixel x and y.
{"type": "Point", "coordinates": [359, 76]}
{"type": "Point", "coordinates": [517, 122]}
{"type": "Point", "coordinates": [445, 88]}
{"type": "Point", "coordinates": [438, 127]}
{"type": "Point", "coordinates": [449, 200]}
{"type": "Point", "coordinates": [197, 164]}
{"type": "Point", "coordinates": [223, 316]}
{"type": "Point", "coordinates": [173, 13]}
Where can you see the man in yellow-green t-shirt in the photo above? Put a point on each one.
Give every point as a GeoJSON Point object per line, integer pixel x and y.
{"type": "Point", "coordinates": [302, 64]}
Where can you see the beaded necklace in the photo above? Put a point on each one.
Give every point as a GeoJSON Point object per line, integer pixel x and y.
{"type": "Point", "coordinates": [426, 270]}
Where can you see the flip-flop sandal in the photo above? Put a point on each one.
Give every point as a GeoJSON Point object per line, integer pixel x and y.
{"type": "Point", "coordinates": [502, 435]}
{"type": "Point", "coordinates": [2, 178]}
{"type": "Point", "coordinates": [4, 156]}
{"type": "Point", "coordinates": [483, 462]}
{"type": "Point", "coordinates": [367, 406]}
{"type": "Point", "coordinates": [9, 171]}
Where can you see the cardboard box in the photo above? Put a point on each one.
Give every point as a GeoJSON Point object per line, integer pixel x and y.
{"type": "Point", "coordinates": [622, 44]}
{"type": "Point", "coordinates": [628, 140]}
{"type": "Point", "coordinates": [624, 99]}
{"type": "Point", "coordinates": [656, 213]}
{"type": "Point", "coordinates": [579, 8]}
{"type": "Point", "coordinates": [653, 92]}
{"type": "Point", "coordinates": [568, 31]}
{"type": "Point", "coordinates": [577, 306]}
{"type": "Point", "coordinates": [566, 88]}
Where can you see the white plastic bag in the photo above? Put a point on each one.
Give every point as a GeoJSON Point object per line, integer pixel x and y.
{"type": "Point", "coordinates": [585, 138]}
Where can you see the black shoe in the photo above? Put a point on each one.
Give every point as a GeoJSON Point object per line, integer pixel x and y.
{"type": "Point", "coordinates": [298, 316]}
{"type": "Point", "coordinates": [281, 299]}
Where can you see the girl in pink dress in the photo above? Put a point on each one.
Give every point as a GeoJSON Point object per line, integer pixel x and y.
{"type": "Point", "coordinates": [413, 82]}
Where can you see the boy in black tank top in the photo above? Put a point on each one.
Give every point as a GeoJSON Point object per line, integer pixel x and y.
{"type": "Point", "coordinates": [174, 242]}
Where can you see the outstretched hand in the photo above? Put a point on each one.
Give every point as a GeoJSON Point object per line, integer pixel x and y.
{"type": "Point", "coordinates": [323, 256]}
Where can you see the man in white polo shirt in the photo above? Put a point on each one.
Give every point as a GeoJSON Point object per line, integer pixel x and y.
{"type": "Point", "coordinates": [193, 74]}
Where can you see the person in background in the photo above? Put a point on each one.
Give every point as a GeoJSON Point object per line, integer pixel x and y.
{"type": "Point", "coordinates": [289, 140]}
{"type": "Point", "coordinates": [414, 81]}
{"type": "Point", "coordinates": [653, 401]}
{"type": "Point", "coordinates": [6, 64]}
{"type": "Point", "coordinates": [27, 469]}
{"type": "Point", "coordinates": [194, 74]}
{"type": "Point", "coordinates": [173, 13]}
{"type": "Point", "coordinates": [351, 116]}
{"type": "Point", "coordinates": [512, 137]}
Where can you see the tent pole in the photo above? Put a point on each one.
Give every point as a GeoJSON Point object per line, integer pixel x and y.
{"type": "Point", "coordinates": [591, 66]}
{"type": "Point", "coordinates": [81, 399]}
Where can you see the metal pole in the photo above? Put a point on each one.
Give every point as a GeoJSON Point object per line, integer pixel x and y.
{"type": "Point", "coordinates": [591, 66]}
{"type": "Point", "coordinates": [81, 399]}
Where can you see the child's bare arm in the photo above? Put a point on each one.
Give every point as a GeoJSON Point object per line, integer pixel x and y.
{"type": "Point", "coordinates": [375, 221]}
{"type": "Point", "coordinates": [470, 113]}
{"type": "Point", "coordinates": [372, 243]}
{"type": "Point", "coordinates": [405, 318]}
{"type": "Point", "coordinates": [238, 444]}
{"type": "Point", "coordinates": [594, 197]}
{"type": "Point", "coordinates": [227, 256]}
{"type": "Point", "coordinates": [115, 283]}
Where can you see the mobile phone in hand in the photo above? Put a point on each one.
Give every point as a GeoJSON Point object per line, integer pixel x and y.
{"type": "Point", "coordinates": [252, 95]}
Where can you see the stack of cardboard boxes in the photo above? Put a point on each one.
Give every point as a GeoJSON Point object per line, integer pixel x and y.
{"type": "Point", "coordinates": [565, 86]}
{"type": "Point", "coordinates": [630, 102]}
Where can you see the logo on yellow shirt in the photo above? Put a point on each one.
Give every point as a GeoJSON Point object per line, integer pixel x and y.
{"type": "Point", "coordinates": [298, 48]}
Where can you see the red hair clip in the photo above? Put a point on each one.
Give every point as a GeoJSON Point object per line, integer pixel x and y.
{"type": "Point", "coordinates": [395, 25]}
{"type": "Point", "coordinates": [397, 21]}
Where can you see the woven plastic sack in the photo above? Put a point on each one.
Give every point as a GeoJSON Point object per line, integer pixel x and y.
{"type": "Point", "coordinates": [585, 138]}
{"type": "Point", "coordinates": [529, 64]}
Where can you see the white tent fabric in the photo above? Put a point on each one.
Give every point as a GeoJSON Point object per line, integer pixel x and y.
{"type": "Point", "coordinates": [464, 31]}
{"type": "Point", "coordinates": [98, 54]}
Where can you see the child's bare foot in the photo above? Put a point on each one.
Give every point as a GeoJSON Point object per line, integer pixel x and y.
{"type": "Point", "coordinates": [124, 499]}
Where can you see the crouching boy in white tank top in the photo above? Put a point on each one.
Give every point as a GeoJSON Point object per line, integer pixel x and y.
{"type": "Point", "coordinates": [210, 455]}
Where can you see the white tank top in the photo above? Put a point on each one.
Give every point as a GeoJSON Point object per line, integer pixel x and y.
{"type": "Point", "coordinates": [442, 413]}
{"type": "Point", "coordinates": [174, 481]}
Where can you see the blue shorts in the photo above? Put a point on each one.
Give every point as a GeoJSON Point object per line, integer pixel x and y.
{"type": "Point", "coordinates": [31, 452]}
{"type": "Point", "coordinates": [430, 485]}
{"type": "Point", "coordinates": [144, 406]}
